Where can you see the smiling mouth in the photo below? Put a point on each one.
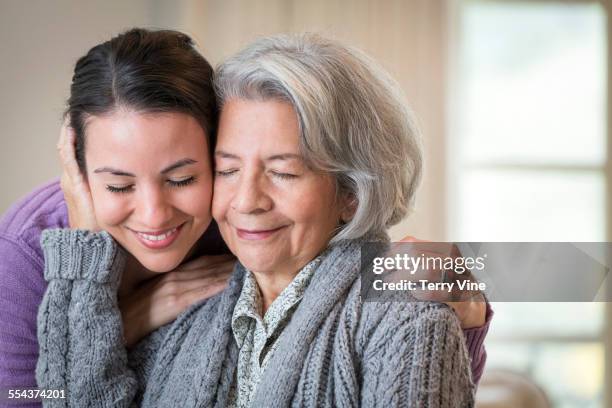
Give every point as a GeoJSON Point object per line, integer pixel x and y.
{"type": "Point", "coordinates": [159, 239]}
{"type": "Point", "coordinates": [256, 235]}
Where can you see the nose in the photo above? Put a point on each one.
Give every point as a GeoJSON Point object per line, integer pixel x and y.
{"type": "Point", "coordinates": [251, 196]}
{"type": "Point", "coordinates": [154, 209]}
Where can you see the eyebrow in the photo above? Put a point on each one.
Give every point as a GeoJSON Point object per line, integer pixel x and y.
{"type": "Point", "coordinates": [283, 156]}
{"type": "Point", "coordinates": [225, 155]}
{"type": "Point", "coordinates": [174, 166]}
{"type": "Point", "coordinates": [113, 171]}
{"type": "Point", "coordinates": [178, 164]}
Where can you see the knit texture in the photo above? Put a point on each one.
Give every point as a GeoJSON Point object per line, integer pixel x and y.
{"type": "Point", "coordinates": [81, 324]}
{"type": "Point", "coordinates": [22, 284]}
{"type": "Point", "coordinates": [256, 335]}
{"type": "Point", "coordinates": [336, 350]}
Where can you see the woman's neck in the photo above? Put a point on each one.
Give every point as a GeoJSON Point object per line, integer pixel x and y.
{"type": "Point", "coordinates": [134, 273]}
{"type": "Point", "coordinates": [271, 285]}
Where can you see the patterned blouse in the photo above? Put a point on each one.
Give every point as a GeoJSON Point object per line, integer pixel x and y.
{"type": "Point", "coordinates": [256, 337]}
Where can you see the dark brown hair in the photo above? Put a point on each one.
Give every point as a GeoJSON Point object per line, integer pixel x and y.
{"type": "Point", "coordinates": [144, 70]}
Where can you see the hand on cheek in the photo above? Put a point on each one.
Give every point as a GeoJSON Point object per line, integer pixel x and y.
{"type": "Point", "coordinates": [81, 214]}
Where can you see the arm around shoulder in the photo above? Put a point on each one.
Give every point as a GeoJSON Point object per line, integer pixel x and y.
{"type": "Point", "coordinates": [414, 355]}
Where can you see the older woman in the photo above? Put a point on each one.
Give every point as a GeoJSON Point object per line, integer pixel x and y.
{"type": "Point", "coordinates": [316, 154]}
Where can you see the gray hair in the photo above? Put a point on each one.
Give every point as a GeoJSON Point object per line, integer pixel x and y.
{"type": "Point", "coordinates": [353, 120]}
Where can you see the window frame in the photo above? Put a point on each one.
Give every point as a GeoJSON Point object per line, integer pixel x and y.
{"type": "Point", "coordinates": [454, 165]}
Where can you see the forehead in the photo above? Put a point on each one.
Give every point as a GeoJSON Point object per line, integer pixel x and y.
{"type": "Point", "coordinates": [126, 125]}
{"type": "Point", "coordinates": [129, 137]}
{"type": "Point", "coordinates": [252, 126]}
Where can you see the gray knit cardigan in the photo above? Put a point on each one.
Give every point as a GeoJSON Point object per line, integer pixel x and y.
{"type": "Point", "coordinates": [336, 352]}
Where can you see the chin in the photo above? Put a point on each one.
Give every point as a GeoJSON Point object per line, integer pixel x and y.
{"type": "Point", "coordinates": [160, 264]}
{"type": "Point", "coordinates": [258, 262]}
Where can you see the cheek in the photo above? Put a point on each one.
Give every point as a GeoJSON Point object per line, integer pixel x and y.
{"type": "Point", "coordinates": [198, 208]}
{"type": "Point", "coordinates": [196, 201]}
{"type": "Point", "coordinates": [310, 213]}
{"type": "Point", "coordinates": [110, 209]}
{"type": "Point", "coordinates": [315, 211]}
{"type": "Point", "coordinates": [220, 201]}
{"type": "Point", "coordinates": [313, 202]}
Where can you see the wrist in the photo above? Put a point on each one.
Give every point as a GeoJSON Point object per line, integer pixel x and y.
{"type": "Point", "coordinates": [81, 255]}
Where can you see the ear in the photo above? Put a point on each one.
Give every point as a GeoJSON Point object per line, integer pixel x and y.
{"type": "Point", "coordinates": [348, 207]}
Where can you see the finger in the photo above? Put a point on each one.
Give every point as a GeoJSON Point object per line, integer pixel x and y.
{"type": "Point", "coordinates": [431, 295]}
{"type": "Point", "coordinates": [410, 238]}
{"type": "Point", "coordinates": [69, 158]}
{"type": "Point", "coordinates": [470, 313]}
{"type": "Point", "coordinates": [65, 140]}
{"type": "Point", "coordinates": [428, 258]}
{"type": "Point", "coordinates": [224, 270]}
{"type": "Point", "coordinates": [64, 182]}
{"type": "Point", "coordinates": [170, 306]}
{"type": "Point", "coordinates": [151, 311]}
{"type": "Point", "coordinates": [178, 287]}
{"type": "Point", "coordinates": [196, 295]}
{"type": "Point", "coordinates": [426, 265]}
{"type": "Point", "coordinates": [431, 246]}
{"type": "Point", "coordinates": [67, 149]}
{"type": "Point", "coordinates": [446, 293]}
{"type": "Point", "coordinates": [62, 137]}
{"type": "Point", "coordinates": [469, 296]}
{"type": "Point", "coordinates": [207, 261]}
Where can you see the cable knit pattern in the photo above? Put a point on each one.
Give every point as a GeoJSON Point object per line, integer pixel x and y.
{"type": "Point", "coordinates": [78, 320]}
{"type": "Point", "coordinates": [22, 286]}
{"type": "Point", "coordinates": [22, 282]}
{"type": "Point", "coordinates": [82, 255]}
{"type": "Point", "coordinates": [335, 352]}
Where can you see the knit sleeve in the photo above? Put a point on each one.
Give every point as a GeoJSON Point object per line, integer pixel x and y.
{"type": "Point", "coordinates": [416, 359]}
{"type": "Point", "coordinates": [79, 323]}
{"type": "Point", "coordinates": [474, 339]}
{"type": "Point", "coordinates": [21, 290]}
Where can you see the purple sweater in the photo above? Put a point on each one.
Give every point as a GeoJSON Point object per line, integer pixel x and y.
{"type": "Point", "coordinates": [22, 286]}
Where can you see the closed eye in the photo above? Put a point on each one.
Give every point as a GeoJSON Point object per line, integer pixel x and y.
{"type": "Point", "coordinates": [225, 173]}
{"type": "Point", "coordinates": [120, 189]}
{"type": "Point", "coordinates": [284, 176]}
{"type": "Point", "coordinates": [182, 182]}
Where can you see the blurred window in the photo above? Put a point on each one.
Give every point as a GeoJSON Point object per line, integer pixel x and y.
{"type": "Point", "coordinates": [528, 148]}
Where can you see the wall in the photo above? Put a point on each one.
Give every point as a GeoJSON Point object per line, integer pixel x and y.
{"type": "Point", "coordinates": [408, 38]}
{"type": "Point", "coordinates": [42, 40]}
